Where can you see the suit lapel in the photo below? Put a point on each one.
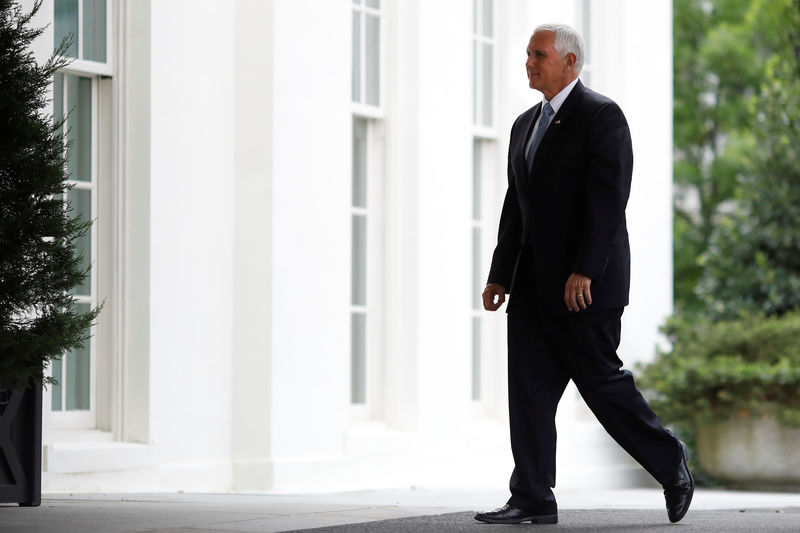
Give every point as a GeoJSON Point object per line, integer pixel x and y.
{"type": "Point", "coordinates": [560, 118]}
{"type": "Point", "coordinates": [518, 155]}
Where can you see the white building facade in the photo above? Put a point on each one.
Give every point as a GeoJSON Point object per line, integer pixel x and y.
{"type": "Point", "coordinates": [295, 205]}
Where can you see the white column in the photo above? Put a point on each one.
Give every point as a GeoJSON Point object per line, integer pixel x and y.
{"type": "Point", "coordinates": [636, 61]}
{"type": "Point", "coordinates": [131, 328]}
{"type": "Point", "coordinates": [191, 289]}
{"type": "Point", "coordinates": [311, 158]}
{"type": "Point", "coordinates": [253, 227]}
{"type": "Point", "coordinates": [444, 204]}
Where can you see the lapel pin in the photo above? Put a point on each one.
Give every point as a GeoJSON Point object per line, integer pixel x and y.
{"type": "Point", "coordinates": [557, 122]}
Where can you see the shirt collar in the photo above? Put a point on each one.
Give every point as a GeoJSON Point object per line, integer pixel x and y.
{"type": "Point", "coordinates": [558, 99]}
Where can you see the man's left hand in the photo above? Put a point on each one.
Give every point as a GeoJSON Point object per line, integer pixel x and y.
{"type": "Point", "coordinates": [577, 293]}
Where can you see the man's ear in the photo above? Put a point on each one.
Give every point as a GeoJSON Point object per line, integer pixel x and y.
{"type": "Point", "coordinates": [571, 60]}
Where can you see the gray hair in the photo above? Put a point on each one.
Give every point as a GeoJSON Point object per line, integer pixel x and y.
{"type": "Point", "coordinates": [567, 41]}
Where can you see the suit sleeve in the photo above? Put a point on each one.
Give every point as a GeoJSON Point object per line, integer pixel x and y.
{"type": "Point", "coordinates": [609, 165]}
{"type": "Point", "coordinates": [508, 235]}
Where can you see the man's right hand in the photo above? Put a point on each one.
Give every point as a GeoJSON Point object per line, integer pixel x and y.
{"type": "Point", "coordinates": [493, 296]}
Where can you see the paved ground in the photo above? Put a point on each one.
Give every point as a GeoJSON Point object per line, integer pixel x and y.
{"type": "Point", "coordinates": [593, 520]}
{"type": "Point", "coordinates": [425, 510]}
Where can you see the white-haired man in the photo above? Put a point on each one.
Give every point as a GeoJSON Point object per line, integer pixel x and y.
{"type": "Point", "coordinates": [563, 255]}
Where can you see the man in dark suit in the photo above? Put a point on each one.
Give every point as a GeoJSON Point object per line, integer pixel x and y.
{"type": "Point", "coordinates": [563, 256]}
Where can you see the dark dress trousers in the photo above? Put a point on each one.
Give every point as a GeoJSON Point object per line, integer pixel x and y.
{"type": "Point", "coordinates": [565, 214]}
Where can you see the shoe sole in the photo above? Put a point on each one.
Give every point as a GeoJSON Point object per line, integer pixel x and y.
{"type": "Point", "coordinates": [543, 519]}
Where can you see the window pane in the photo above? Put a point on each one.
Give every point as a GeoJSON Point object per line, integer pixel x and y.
{"type": "Point", "coordinates": [476, 268]}
{"type": "Point", "coordinates": [475, 73]}
{"type": "Point", "coordinates": [374, 3]}
{"type": "Point", "coordinates": [359, 267]}
{"type": "Point", "coordinates": [373, 50]}
{"type": "Point", "coordinates": [79, 131]}
{"type": "Point", "coordinates": [358, 358]}
{"type": "Point", "coordinates": [486, 83]}
{"type": "Point", "coordinates": [488, 19]}
{"type": "Point", "coordinates": [56, 371]}
{"type": "Point", "coordinates": [78, 372]}
{"type": "Point", "coordinates": [476, 180]}
{"type": "Point", "coordinates": [65, 23]}
{"type": "Point", "coordinates": [356, 56]}
{"type": "Point", "coordinates": [58, 98]}
{"type": "Point", "coordinates": [359, 162]}
{"type": "Point", "coordinates": [80, 200]}
{"type": "Point", "coordinates": [476, 358]}
{"type": "Point", "coordinates": [94, 30]}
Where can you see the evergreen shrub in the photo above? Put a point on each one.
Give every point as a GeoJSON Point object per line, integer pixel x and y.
{"type": "Point", "coordinates": [38, 262]}
{"type": "Point", "coordinates": [748, 367]}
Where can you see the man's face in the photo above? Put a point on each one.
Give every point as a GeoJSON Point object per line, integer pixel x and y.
{"type": "Point", "coordinates": [548, 71]}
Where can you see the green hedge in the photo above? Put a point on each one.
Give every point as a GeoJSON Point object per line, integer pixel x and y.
{"type": "Point", "coordinates": [746, 367]}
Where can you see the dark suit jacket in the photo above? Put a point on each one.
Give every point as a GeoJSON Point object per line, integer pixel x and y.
{"type": "Point", "coordinates": [567, 214]}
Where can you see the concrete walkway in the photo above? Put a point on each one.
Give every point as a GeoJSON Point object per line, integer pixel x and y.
{"type": "Point", "coordinates": [409, 510]}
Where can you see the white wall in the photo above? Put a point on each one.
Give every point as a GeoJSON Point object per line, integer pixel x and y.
{"type": "Point", "coordinates": [311, 239]}
{"type": "Point", "coordinates": [444, 203]}
{"type": "Point", "coordinates": [191, 206]}
{"type": "Point", "coordinates": [639, 76]}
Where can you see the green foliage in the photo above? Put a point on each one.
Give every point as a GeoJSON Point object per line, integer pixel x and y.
{"type": "Point", "coordinates": [718, 67]}
{"type": "Point", "coordinates": [38, 264]}
{"type": "Point", "coordinates": [746, 367]}
{"type": "Point", "coordinates": [753, 258]}
{"type": "Point", "coordinates": [729, 66]}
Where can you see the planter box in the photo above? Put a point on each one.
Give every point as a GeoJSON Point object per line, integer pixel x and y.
{"type": "Point", "coordinates": [751, 454]}
{"type": "Point", "coordinates": [21, 446]}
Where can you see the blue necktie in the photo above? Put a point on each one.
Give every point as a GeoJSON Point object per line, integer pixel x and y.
{"type": "Point", "coordinates": [547, 112]}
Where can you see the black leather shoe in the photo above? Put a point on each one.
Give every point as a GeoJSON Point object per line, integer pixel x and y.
{"type": "Point", "coordinates": [508, 514]}
{"type": "Point", "coordinates": [679, 493]}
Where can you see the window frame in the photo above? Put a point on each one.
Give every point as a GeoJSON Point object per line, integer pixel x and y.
{"type": "Point", "coordinates": [361, 107]}
{"type": "Point", "coordinates": [483, 153]}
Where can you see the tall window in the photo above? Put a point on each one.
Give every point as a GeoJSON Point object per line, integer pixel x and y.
{"type": "Point", "coordinates": [483, 41]}
{"type": "Point", "coordinates": [484, 139]}
{"type": "Point", "coordinates": [367, 156]}
{"type": "Point", "coordinates": [75, 98]}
